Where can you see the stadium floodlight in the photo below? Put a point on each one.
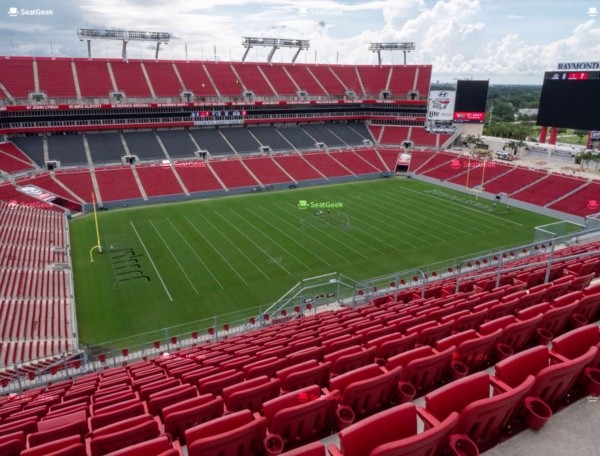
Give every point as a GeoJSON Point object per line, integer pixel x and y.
{"type": "Point", "coordinates": [274, 44]}
{"type": "Point", "coordinates": [122, 35]}
{"type": "Point", "coordinates": [395, 46]}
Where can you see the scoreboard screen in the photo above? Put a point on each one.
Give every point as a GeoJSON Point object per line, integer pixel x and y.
{"type": "Point", "coordinates": [218, 117]}
{"type": "Point", "coordinates": [570, 100]}
{"type": "Point", "coordinates": [471, 99]}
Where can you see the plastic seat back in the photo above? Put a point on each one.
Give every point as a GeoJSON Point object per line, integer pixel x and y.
{"type": "Point", "coordinates": [157, 446]}
{"type": "Point", "coordinates": [306, 374]}
{"type": "Point", "coordinates": [394, 344]}
{"type": "Point", "coordinates": [352, 360]}
{"type": "Point", "coordinates": [113, 414]}
{"type": "Point", "coordinates": [122, 435]}
{"type": "Point", "coordinates": [393, 432]}
{"type": "Point", "coordinates": [576, 342]}
{"type": "Point", "coordinates": [485, 420]}
{"type": "Point", "coordinates": [556, 319]}
{"type": "Point", "coordinates": [68, 446]}
{"type": "Point", "coordinates": [554, 382]}
{"type": "Point", "coordinates": [302, 415]}
{"type": "Point", "coordinates": [518, 335]}
{"type": "Point", "coordinates": [214, 384]}
{"type": "Point", "coordinates": [158, 401]}
{"type": "Point", "coordinates": [367, 396]}
{"type": "Point", "coordinates": [186, 414]}
{"type": "Point", "coordinates": [236, 434]}
{"type": "Point", "coordinates": [251, 394]}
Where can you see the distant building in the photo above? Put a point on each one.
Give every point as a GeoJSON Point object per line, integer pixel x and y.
{"type": "Point", "coordinates": [528, 111]}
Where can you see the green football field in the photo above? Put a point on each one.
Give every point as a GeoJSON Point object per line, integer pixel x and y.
{"type": "Point", "coordinates": [183, 262]}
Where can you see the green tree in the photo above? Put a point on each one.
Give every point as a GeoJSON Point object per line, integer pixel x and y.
{"type": "Point", "coordinates": [580, 135]}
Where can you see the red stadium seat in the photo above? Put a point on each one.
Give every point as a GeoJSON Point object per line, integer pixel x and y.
{"type": "Point", "coordinates": [57, 428]}
{"type": "Point", "coordinates": [68, 446]}
{"type": "Point", "coordinates": [160, 446]}
{"type": "Point", "coordinates": [215, 383]}
{"type": "Point", "coordinates": [350, 358]}
{"type": "Point", "coordinates": [516, 333]}
{"type": "Point", "coordinates": [553, 380]}
{"type": "Point", "coordinates": [300, 416]}
{"type": "Point", "coordinates": [116, 413]}
{"type": "Point", "coordinates": [158, 401]}
{"type": "Point", "coordinates": [12, 444]}
{"type": "Point", "coordinates": [576, 343]}
{"type": "Point", "coordinates": [123, 434]}
{"type": "Point", "coordinates": [27, 425]}
{"type": "Point", "coordinates": [304, 374]}
{"type": "Point", "coordinates": [311, 449]}
{"type": "Point", "coordinates": [428, 333]}
{"type": "Point", "coordinates": [393, 432]}
{"type": "Point", "coordinates": [251, 394]}
{"type": "Point", "coordinates": [306, 354]}
{"type": "Point", "coordinates": [481, 417]}
{"type": "Point", "coordinates": [367, 389]}
{"type": "Point", "coordinates": [267, 366]}
{"type": "Point", "coordinates": [157, 386]}
{"type": "Point", "coordinates": [393, 344]}
{"type": "Point", "coordinates": [188, 413]}
{"type": "Point", "coordinates": [237, 433]}
{"type": "Point", "coordinates": [474, 350]}
{"type": "Point", "coordinates": [424, 368]}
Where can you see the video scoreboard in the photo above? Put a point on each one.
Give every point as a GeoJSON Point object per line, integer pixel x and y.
{"type": "Point", "coordinates": [570, 99]}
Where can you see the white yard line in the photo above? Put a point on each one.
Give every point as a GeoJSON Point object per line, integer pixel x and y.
{"type": "Point", "coordinates": [273, 240]}
{"type": "Point", "coordinates": [357, 239]}
{"type": "Point", "coordinates": [174, 257]}
{"type": "Point", "coordinates": [361, 219]}
{"type": "Point", "coordinates": [427, 220]}
{"type": "Point", "coordinates": [216, 250]}
{"type": "Point", "coordinates": [150, 258]}
{"type": "Point", "coordinates": [305, 234]}
{"type": "Point", "coordinates": [462, 206]}
{"type": "Point", "coordinates": [291, 239]}
{"type": "Point", "coordinates": [258, 246]}
{"type": "Point", "coordinates": [490, 225]}
{"type": "Point", "coordinates": [197, 256]}
{"type": "Point", "coordinates": [326, 234]}
{"type": "Point", "coordinates": [235, 247]}
{"type": "Point", "coordinates": [383, 214]}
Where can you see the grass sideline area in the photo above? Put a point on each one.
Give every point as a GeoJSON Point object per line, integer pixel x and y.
{"type": "Point", "coordinates": [182, 262]}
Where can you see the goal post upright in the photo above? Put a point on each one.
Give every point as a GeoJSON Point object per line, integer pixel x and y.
{"type": "Point", "coordinates": [98, 245]}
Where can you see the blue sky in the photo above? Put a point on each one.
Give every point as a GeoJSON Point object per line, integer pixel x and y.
{"type": "Point", "coordinates": [506, 41]}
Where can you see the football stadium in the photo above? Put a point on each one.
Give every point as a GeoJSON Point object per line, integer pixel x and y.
{"type": "Point", "coordinates": [242, 257]}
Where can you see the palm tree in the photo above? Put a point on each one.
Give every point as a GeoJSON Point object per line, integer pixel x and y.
{"type": "Point", "coordinates": [520, 143]}
{"type": "Point", "coordinates": [513, 146]}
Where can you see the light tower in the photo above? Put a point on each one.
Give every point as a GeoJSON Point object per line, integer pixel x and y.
{"type": "Point", "coordinates": [274, 44]}
{"type": "Point", "coordinates": [122, 35]}
{"type": "Point", "coordinates": [396, 46]}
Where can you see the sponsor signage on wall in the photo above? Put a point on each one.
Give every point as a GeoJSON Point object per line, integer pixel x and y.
{"type": "Point", "coordinates": [441, 105]}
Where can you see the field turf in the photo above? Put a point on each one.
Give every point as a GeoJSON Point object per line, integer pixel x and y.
{"type": "Point", "coordinates": [176, 263]}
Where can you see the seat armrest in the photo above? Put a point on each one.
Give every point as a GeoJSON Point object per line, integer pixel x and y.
{"type": "Point", "coordinates": [334, 450]}
{"type": "Point", "coordinates": [428, 419]}
{"type": "Point", "coordinates": [499, 385]}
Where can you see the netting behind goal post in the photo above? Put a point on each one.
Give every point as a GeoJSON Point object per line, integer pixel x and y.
{"type": "Point", "coordinates": [555, 230]}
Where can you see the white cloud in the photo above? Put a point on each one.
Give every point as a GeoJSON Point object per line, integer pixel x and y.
{"type": "Point", "coordinates": [458, 37]}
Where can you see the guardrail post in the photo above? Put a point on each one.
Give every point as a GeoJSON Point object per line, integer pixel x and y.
{"type": "Point", "coordinates": [499, 270]}
{"type": "Point", "coordinates": [457, 273]}
{"type": "Point", "coordinates": [18, 379]}
{"type": "Point", "coordinates": [549, 267]}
